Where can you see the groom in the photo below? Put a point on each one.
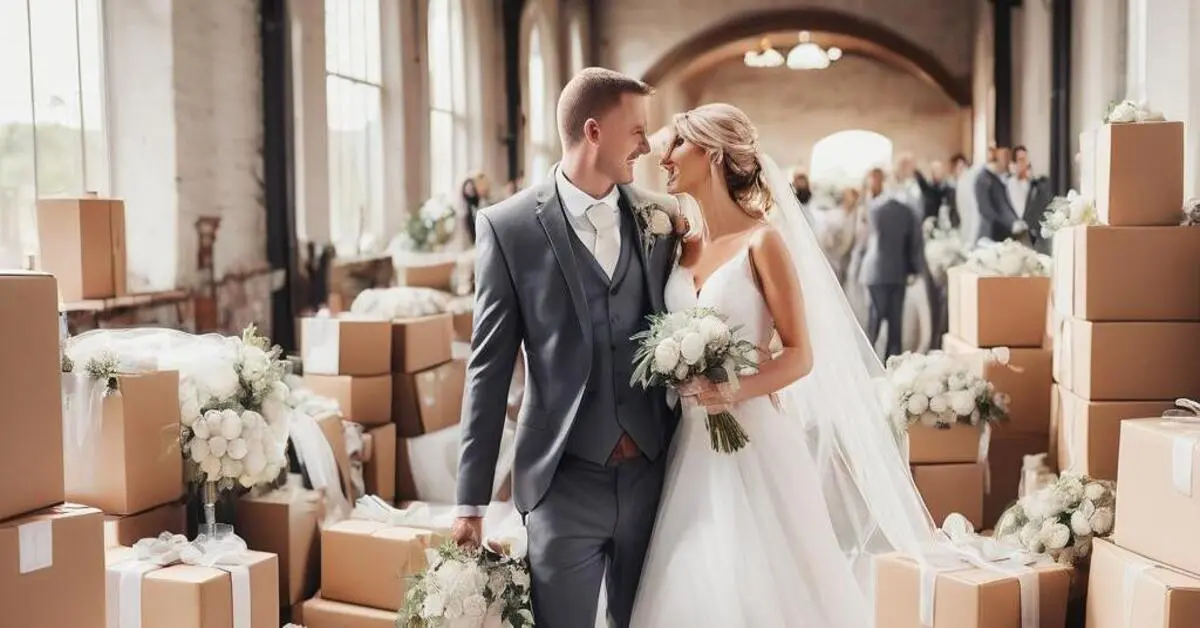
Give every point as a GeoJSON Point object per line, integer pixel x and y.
{"type": "Point", "coordinates": [571, 269]}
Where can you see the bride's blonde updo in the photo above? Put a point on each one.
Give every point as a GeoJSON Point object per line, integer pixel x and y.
{"type": "Point", "coordinates": [731, 141]}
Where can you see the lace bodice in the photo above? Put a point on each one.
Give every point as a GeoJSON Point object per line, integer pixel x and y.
{"type": "Point", "coordinates": [732, 291]}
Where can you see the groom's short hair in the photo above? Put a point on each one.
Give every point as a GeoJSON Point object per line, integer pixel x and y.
{"type": "Point", "coordinates": [590, 94]}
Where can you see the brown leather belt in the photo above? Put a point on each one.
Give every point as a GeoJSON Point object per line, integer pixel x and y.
{"type": "Point", "coordinates": [625, 451]}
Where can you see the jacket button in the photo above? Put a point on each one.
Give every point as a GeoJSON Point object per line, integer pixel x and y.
{"type": "Point", "coordinates": [613, 291]}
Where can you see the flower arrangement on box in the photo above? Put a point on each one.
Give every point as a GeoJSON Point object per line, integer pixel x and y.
{"type": "Point", "coordinates": [1007, 259]}
{"type": "Point", "coordinates": [430, 227]}
{"type": "Point", "coordinates": [1071, 210]}
{"type": "Point", "coordinates": [1062, 518]}
{"type": "Point", "coordinates": [400, 302]}
{"type": "Point", "coordinates": [943, 248]}
{"type": "Point", "coordinates": [939, 389]}
{"type": "Point", "coordinates": [1191, 213]}
{"type": "Point", "coordinates": [1128, 111]}
{"type": "Point", "coordinates": [680, 346]}
{"type": "Point", "coordinates": [469, 588]}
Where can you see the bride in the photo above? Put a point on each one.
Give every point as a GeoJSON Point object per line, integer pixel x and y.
{"type": "Point", "coordinates": [780, 533]}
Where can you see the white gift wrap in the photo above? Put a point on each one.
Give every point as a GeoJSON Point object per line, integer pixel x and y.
{"type": "Point", "coordinates": [83, 417]}
{"type": "Point", "coordinates": [1186, 421]}
{"type": "Point", "coordinates": [433, 459]}
{"type": "Point", "coordinates": [322, 337]}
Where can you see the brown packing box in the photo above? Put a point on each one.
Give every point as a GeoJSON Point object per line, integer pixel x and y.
{"type": "Point", "coordinates": [1154, 517]}
{"type": "Point", "coordinates": [420, 343]}
{"type": "Point", "coordinates": [364, 400]}
{"type": "Point", "coordinates": [1006, 458]}
{"type": "Point", "coordinates": [437, 276]}
{"type": "Point", "coordinates": [52, 569]}
{"type": "Point", "coordinates": [430, 400]}
{"type": "Point", "coordinates": [187, 596]}
{"type": "Point", "coordinates": [997, 311]}
{"type": "Point", "coordinates": [1123, 585]}
{"type": "Point", "coordinates": [406, 484]}
{"type": "Point", "coordinates": [959, 443]}
{"type": "Point", "coordinates": [129, 529]}
{"type": "Point", "coordinates": [1139, 173]}
{"type": "Point", "coordinates": [31, 431]}
{"type": "Point", "coordinates": [322, 613]}
{"type": "Point", "coordinates": [335, 433]}
{"type": "Point", "coordinates": [367, 563]}
{"type": "Point", "coordinates": [463, 323]}
{"type": "Point", "coordinates": [1128, 361]}
{"type": "Point", "coordinates": [1026, 379]}
{"type": "Point", "coordinates": [969, 598]}
{"type": "Point", "coordinates": [1086, 433]}
{"type": "Point", "coordinates": [136, 464]}
{"type": "Point", "coordinates": [345, 346]}
{"type": "Point", "coordinates": [82, 243]}
{"type": "Point", "coordinates": [379, 471]}
{"type": "Point", "coordinates": [284, 522]}
{"type": "Point", "coordinates": [1127, 273]}
{"type": "Point", "coordinates": [949, 488]}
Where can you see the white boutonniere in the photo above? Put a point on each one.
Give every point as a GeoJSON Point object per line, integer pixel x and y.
{"type": "Point", "coordinates": [654, 223]}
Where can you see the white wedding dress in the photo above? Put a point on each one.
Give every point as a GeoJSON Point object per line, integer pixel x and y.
{"type": "Point", "coordinates": [744, 539]}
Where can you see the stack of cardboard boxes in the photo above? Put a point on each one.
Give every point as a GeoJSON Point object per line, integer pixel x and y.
{"type": "Point", "coordinates": [51, 552]}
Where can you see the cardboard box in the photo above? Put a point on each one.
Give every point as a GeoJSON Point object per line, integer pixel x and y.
{"type": "Point", "coordinates": [345, 346]}
{"type": "Point", "coordinates": [187, 596]}
{"type": "Point", "coordinates": [1158, 491]}
{"type": "Point", "coordinates": [1139, 173]}
{"type": "Point", "coordinates": [379, 469]}
{"type": "Point", "coordinates": [957, 444]}
{"type": "Point", "coordinates": [331, 426]}
{"type": "Point", "coordinates": [1123, 585]}
{"type": "Point", "coordinates": [285, 522]}
{"type": "Point", "coordinates": [949, 488]}
{"type": "Point", "coordinates": [421, 343]}
{"type": "Point", "coordinates": [133, 463]}
{"type": "Point", "coordinates": [1006, 459]}
{"type": "Point", "coordinates": [1128, 361]}
{"type": "Point", "coordinates": [966, 598]}
{"type": "Point", "coordinates": [321, 613]}
{"type": "Point", "coordinates": [463, 326]}
{"type": "Point", "coordinates": [364, 400]}
{"type": "Point", "coordinates": [430, 400]}
{"type": "Point", "coordinates": [1127, 273]}
{"type": "Point", "coordinates": [129, 529]}
{"type": "Point", "coordinates": [438, 275]}
{"type": "Point", "coordinates": [52, 568]}
{"type": "Point", "coordinates": [82, 243]}
{"type": "Point", "coordinates": [1026, 379]}
{"type": "Point", "coordinates": [31, 448]}
{"type": "Point", "coordinates": [997, 311]}
{"type": "Point", "coordinates": [367, 563]}
{"type": "Point", "coordinates": [1087, 433]}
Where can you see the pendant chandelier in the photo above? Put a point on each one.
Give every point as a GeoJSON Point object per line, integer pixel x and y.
{"type": "Point", "coordinates": [807, 55]}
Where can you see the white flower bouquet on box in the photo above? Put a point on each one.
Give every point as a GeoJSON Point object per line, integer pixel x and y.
{"type": "Point", "coordinates": [1062, 518]}
{"type": "Point", "coordinates": [943, 248]}
{"type": "Point", "coordinates": [484, 587]}
{"type": "Point", "coordinates": [680, 346]}
{"type": "Point", "coordinates": [1130, 111]}
{"type": "Point", "coordinates": [1068, 211]}
{"type": "Point", "coordinates": [400, 302]}
{"type": "Point", "coordinates": [430, 227]}
{"type": "Point", "coordinates": [1007, 259]}
{"type": "Point", "coordinates": [939, 390]}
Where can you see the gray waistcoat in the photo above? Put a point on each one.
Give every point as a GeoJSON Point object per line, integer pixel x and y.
{"type": "Point", "coordinates": [618, 310]}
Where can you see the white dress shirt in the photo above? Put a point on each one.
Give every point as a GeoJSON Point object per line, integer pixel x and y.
{"type": "Point", "coordinates": [577, 202]}
{"type": "Point", "coordinates": [1018, 194]}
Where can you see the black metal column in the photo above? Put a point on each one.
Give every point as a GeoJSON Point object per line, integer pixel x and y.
{"type": "Point", "coordinates": [1002, 68]}
{"type": "Point", "coordinates": [1061, 157]}
{"type": "Point", "coordinates": [511, 17]}
{"type": "Point", "coordinates": [278, 191]}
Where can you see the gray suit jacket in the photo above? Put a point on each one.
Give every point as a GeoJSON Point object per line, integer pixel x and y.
{"type": "Point", "coordinates": [996, 213]}
{"type": "Point", "coordinates": [895, 247]}
{"type": "Point", "coordinates": [528, 291]}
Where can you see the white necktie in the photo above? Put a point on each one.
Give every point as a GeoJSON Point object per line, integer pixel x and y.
{"type": "Point", "coordinates": [604, 220]}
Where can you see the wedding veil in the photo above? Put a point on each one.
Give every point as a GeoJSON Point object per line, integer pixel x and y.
{"type": "Point", "coordinates": [867, 485]}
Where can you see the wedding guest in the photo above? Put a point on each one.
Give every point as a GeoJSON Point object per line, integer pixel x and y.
{"type": "Point", "coordinates": [476, 190]}
{"type": "Point", "coordinates": [802, 188]}
{"type": "Point", "coordinates": [906, 187]}
{"type": "Point", "coordinates": [1030, 195]}
{"type": "Point", "coordinates": [936, 191]}
{"type": "Point", "coordinates": [968, 202]}
{"type": "Point", "coordinates": [838, 227]}
{"type": "Point", "coordinates": [894, 255]}
{"type": "Point", "coordinates": [998, 221]}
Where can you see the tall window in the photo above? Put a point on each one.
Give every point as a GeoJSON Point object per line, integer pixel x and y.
{"type": "Point", "coordinates": [843, 158]}
{"type": "Point", "coordinates": [52, 125]}
{"type": "Point", "coordinates": [447, 97]}
{"type": "Point", "coordinates": [539, 148]}
{"type": "Point", "coordinates": [576, 42]}
{"type": "Point", "coordinates": [354, 88]}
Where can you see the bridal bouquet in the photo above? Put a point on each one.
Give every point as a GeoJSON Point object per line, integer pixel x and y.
{"type": "Point", "coordinates": [1007, 259]}
{"type": "Point", "coordinates": [463, 588]}
{"type": "Point", "coordinates": [939, 389]}
{"type": "Point", "coordinates": [1068, 211]}
{"type": "Point", "coordinates": [430, 227]}
{"type": "Point", "coordinates": [697, 343]}
{"type": "Point", "coordinates": [1061, 519]}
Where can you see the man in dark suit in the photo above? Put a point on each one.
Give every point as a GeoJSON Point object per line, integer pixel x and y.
{"type": "Point", "coordinates": [1029, 195]}
{"type": "Point", "coordinates": [895, 251]}
{"type": "Point", "coordinates": [998, 221]}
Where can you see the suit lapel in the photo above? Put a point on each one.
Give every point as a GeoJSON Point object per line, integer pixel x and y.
{"type": "Point", "coordinates": [652, 284]}
{"type": "Point", "coordinates": [550, 214]}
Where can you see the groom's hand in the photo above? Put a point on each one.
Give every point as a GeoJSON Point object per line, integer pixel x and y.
{"type": "Point", "coordinates": [467, 532]}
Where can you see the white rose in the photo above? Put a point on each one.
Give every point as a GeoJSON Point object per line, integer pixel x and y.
{"type": "Point", "coordinates": [254, 461]}
{"type": "Point", "coordinates": [1102, 521]}
{"type": "Point", "coordinates": [434, 606]}
{"type": "Point", "coordinates": [666, 356]}
{"type": "Point", "coordinates": [660, 223]}
{"type": "Point", "coordinates": [713, 329]}
{"type": "Point", "coordinates": [1010, 265]}
{"type": "Point", "coordinates": [929, 419]}
{"type": "Point", "coordinates": [231, 468]}
{"type": "Point", "coordinates": [962, 402]}
{"type": "Point", "coordinates": [189, 411]}
{"type": "Point", "coordinates": [210, 421]}
{"type": "Point", "coordinates": [692, 348]}
{"type": "Point", "coordinates": [1080, 524]}
{"type": "Point", "coordinates": [918, 404]}
{"type": "Point", "coordinates": [217, 446]}
{"type": "Point", "coordinates": [474, 606]}
{"type": "Point", "coordinates": [236, 449]}
{"type": "Point", "coordinates": [1124, 112]}
{"type": "Point", "coordinates": [454, 609]}
{"type": "Point", "coordinates": [199, 450]}
{"type": "Point", "coordinates": [520, 578]}
{"type": "Point", "coordinates": [1007, 523]}
{"type": "Point", "coordinates": [1083, 547]}
{"type": "Point", "coordinates": [681, 372]}
{"type": "Point", "coordinates": [939, 404]}
{"type": "Point", "coordinates": [1146, 114]}
{"type": "Point", "coordinates": [279, 392]}
{"type": "Point", "coordinates": [231, 425]}
{"type": "Point", "coordinates": [1055, 535]}
{"type": "Point", "coordinates": [1094, 491]}
{"type": "Point", "coordinates": [271, 471]}
{"type": "Point", "coordinates": [933, 387]}
{"type": "Point", "coordinates": [211, 468]}
{"type": "Point", "coordinates": [1030, 537]}
{"type": "Point", "coordinates": [247, 480]}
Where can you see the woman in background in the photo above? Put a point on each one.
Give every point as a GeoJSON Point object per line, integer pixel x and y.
{"type": "Point", "coordinates": [476, 190]}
